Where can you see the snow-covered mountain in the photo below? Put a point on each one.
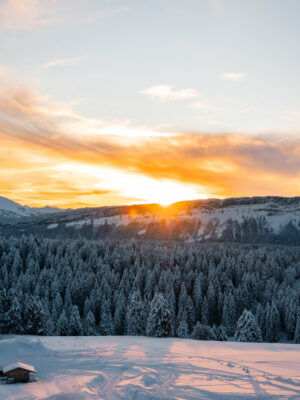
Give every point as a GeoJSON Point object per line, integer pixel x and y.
{"type": "Point", "coordinates": [245, 220]}
{"type": "Point", "coordinates": [11, 209]}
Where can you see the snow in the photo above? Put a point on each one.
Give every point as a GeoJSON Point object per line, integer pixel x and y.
{"type": "Point", "coordinates": [84, 368]}
{"type": "Point", "coordinates": [77, 224]}
{"type": "Point", "coordinates": [11, 207]}
{"type": "Point", "coordinates": [276, 216]}
{"type": "Point", "coordinates": [12, 366]}
{"type": "Point", "coordinates": [52, 226]}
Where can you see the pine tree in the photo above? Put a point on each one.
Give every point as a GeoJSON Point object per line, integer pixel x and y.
{"type": "Point", "coordinates": [205, 312]}
{"type": "Point", "coordinates": [57, 306]}
{"type": "Point", "coordinates": [75, 326]}
{"type": "Point", "coordinates": [272, 323]}
{"type": "Point", "coordinates": [38, 317]}
{"type": "Point", "coordinates": [183, 329]}
{"type": "Point", "coordinates": [297, 331]}
{"type": "Point", "coordinates": [158, 323]}
{"type": "Point", "coordinates": [62, 327]}
{"type": "Point", "coordinates": [261, 319]}
{"type": "Point", "coordinates": [291, 318]}
{"type": "Point", "coordinates": [68, 303]}
{"type": "Point", "coordinates": [211, 299]}
{"type": "Point", "coordinates": [229, 315]}
{"type": "Point", "coordinates": [119, 321]}
{"type": "Point", "coordinates": [106, 322]}
{"type": "Point", "coordinates": [13, 318]}
{"type": "Point", "coordinates": [135, 316]}
{"type": "Point", "coordinates": [89, 326]}
{"type": "Point", "coordinates": [247, 329]}
{"type": "Point", "coordinates": [49, 325]}
{"type": "Point", "coordinates": [203, 332]}
{"type": "Point", "coordinates": [197, 297]}
{"type": "Point", "coordinates": [221, 334]}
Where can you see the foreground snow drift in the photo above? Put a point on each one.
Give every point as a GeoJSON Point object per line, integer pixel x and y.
{"type": "Point", "coordinates": [149, 368]}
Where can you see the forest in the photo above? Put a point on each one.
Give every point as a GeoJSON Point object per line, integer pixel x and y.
{"type": "Point", "coordinates": [161, 289]}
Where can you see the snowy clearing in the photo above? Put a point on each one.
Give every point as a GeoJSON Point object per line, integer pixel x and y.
{"type": "Point", "coordinates": [83, 368]}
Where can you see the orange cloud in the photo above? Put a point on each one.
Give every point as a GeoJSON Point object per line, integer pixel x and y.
{"type": "Point", "coordinates": [39, 137]}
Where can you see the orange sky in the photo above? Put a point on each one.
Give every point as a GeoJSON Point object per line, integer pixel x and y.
{"type": "Point", "coordinates": [52, 156]}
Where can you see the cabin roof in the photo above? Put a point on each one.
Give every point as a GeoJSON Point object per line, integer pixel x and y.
{"type": "Point", "coordinates": [16, 365]}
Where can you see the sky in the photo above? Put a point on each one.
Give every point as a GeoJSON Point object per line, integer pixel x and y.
{"type": "Point", "coordinates": [106, 102]}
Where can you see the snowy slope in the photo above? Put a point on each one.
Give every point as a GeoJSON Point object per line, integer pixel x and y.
{"type": "Point", "coordinates": [84, 368]}
{"type": "Point", "coordinates": [245, 220]}
{"type": "Point", "coordinates": [9, 208]}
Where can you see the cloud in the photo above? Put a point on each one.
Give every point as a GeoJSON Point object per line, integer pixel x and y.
{"type": "Point", "coordinates": [293, 113]}
{"type": "Point", "coordinates": [166, 92]}
{"type": "Point", "coordinates": [233, 76]}
{"type": "Point", "coordinates": [199, 105]}
{"type": "Point", "coordinates": [216, 5]}
{"type": "Point", "coordinates": [3, 70]}
{"type": "Point", "coordinates": [39, 138]}
{"type": "Point", "coordinates": [32, 14]}
{"type": "Point", "coordinates": [20, 14]}
{"type": "Point", "coordinates": [62, 62]}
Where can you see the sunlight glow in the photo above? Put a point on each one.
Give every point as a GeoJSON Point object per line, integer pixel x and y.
{"type": "Point", "coordinates": [140, 187]}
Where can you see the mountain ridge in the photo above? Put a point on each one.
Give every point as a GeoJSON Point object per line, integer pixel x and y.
{"type": "Point", "coordinates": [269, 219]}
{"type": "Point", "coordinates": [12, 209]}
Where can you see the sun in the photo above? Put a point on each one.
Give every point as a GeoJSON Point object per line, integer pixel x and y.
{"type": "Point", "coordinates": [167, 192]}
{"type": "Point", "coordinates": [165, 203]}
{"type": "Point", "coordinates": [138, 187]}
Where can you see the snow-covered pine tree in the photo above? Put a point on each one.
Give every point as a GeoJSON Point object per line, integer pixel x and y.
{"type": "Point", "coordinates": [106, 322]}
{"type": "Point", "coordinates": [247, 329]}
{"type": "Point", "coordinates": [205, 312]}
{"type": "Point", "coordinates": [221, 334]}
{"type": "Point", "coordinates": [13, 318]}
{"type": "Point", "coordinates": [261, 319]}
{"type": "Point", "coordinates": [203, 332]}
{"type": "Point", "coordinates": [297, 331]}
{"type": "Point", "coordinates": [272, 323]}
{"type": "Point", "coordinates": [229, 315]}
{"type": "Point", "coordinates": [158, 322]}
{"type": "Point", "coordinates": [89, 325]}
{"type": "Point", "coordinates": [135, 316]}
{"type": "Point", "coordinates": [183, 329]}
{"type": "Point", "coordinates": [197, 297]}
{"type": "Point", "coordinates": [62, 327]}
{"type": "Point", "coordinates": [119, 320]}
{"type": "Point", "coordinates": [75, 326]}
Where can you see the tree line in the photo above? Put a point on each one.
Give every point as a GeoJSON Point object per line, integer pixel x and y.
{"type": "Point", "coordinates": [203, 291]}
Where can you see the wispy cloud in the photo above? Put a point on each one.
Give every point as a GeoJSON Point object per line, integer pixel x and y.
{"type": "Point", "coordinates": [200, 105]}
{"type": "Point", "coordinates": [20, 14]}
{"type": "Point", "coordinates": [293, 113]}
{"type": "Point", "coordinates": [216, 5]}
{"type": "Point", "coordinates": [62, 62]}
{"type": "Point", "coordinates": [166, 92]}
{"type": "Point", "coordinates": [233, 76]}
{"type": "Point", "coordinates": [32, 14]}
{"type": "Point", "coordinates": [3, 70]}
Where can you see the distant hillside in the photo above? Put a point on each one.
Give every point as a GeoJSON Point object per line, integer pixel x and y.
{"type": "Point", "coordinates": [243, 220]}
{"type": "Point", "coordinates": [10, 210]}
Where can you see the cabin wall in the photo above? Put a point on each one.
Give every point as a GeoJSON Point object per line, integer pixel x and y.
{"type": "Point", "coordinates": [19, 375]}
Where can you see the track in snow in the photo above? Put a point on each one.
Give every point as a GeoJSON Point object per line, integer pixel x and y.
{"type": "Point", "coordinates": [84, 368]}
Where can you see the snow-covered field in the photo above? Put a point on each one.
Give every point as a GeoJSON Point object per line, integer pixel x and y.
{"type": "Point", "coordinates": [150, 368]}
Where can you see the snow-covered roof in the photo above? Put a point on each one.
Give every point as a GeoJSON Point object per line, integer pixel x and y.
{"type": "Point", "coordinates": [12, 366]}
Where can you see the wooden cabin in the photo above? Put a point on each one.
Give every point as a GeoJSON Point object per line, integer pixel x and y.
{"type": "Point", "coordinates": [18, 372]}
